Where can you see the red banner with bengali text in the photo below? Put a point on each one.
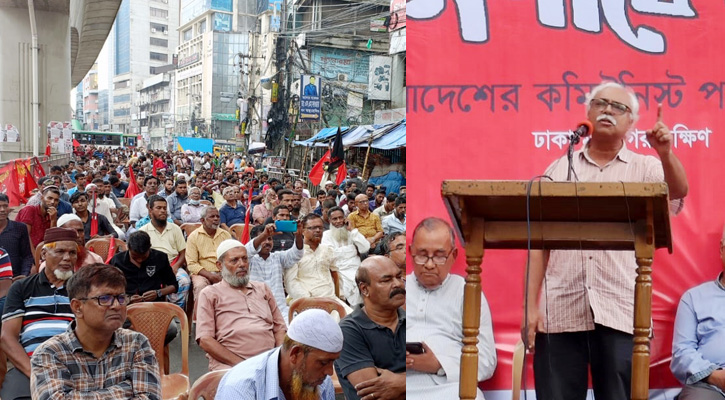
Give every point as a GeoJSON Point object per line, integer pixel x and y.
{"type": "Point", "coordinates": [493, 89]}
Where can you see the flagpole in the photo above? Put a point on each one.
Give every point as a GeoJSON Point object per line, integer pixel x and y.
{"type": "Point", "coordinates": [367, 154]}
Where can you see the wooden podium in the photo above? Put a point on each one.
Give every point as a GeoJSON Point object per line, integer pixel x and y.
{"type": "Point", "coordinates": [563, 215]}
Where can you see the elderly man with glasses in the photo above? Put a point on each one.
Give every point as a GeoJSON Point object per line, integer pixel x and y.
{"type": "Point", "coordinates": [588, 298]}
{"type": "Point", "coordinates": [434, 304]}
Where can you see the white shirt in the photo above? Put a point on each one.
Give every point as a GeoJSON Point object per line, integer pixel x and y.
{"type": "Point", "coordinates": [347, 259]}
{"type": "Point", "coordinates": [138, 209]}
{"type": "Point", "coordinates": [436, 318]}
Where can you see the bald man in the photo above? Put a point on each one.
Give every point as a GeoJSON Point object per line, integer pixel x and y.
{"type": "Point", "coordinates": [375, 372]}
{"type": "Point", "coordinates": [366, 222]}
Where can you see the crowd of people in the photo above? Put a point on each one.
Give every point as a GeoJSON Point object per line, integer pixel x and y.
{"type": "Point", "coordinates": [221, 238]}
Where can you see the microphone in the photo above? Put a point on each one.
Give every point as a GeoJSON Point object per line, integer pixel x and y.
{"type": "Point", "coordinates": [583, 129]}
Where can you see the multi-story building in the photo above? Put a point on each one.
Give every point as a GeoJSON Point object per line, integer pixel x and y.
{"type": "Point", "coordinates": [144, 43]}
{"type": "Point", "coordinates": [104, 118]}
{"type": "Point", "coordinates": [213, 42]}
{"type": "Point", "coordinates": [91, 116]}
{"type": "Point", "coordinates": [79, 103]}
{"type": "Point", "coordinates": [155, 104]}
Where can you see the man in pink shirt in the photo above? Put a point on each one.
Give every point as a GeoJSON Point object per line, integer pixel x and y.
{"type": "Point", "coordinates": [236, 318]}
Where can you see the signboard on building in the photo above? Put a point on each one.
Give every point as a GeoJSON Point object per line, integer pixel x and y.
{"type": "Point", "coordinates": [188, 60]}
{"type": "Point", "coordinates": [379, 83]}
{"type": "Point", "coordinates": [310, 97]}
{"type": "Point", "coordinates": [340, 65]}
{"type": "Point", "coordinates": [61, 137]}
{"type": "Point", "coordinates": [181, 75]}
{"type": "Point", "coordinates": [384, 117]}
{"type": "Point", "coordinates": [224, 117]}
{"type": "Point", "coordinates": [397, 15]}
{"type": "Point", "coordinates": [222, 22]}
{"type": "Point", "coordinates": [9, 133]}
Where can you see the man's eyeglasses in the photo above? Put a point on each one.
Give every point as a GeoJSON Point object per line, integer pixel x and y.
{"type": "Point", "coordinates": [107, 299]}
{"type": "Point", "coordinates": [422, 259]}
{"type": "Point", "coordinates": [617, 108]}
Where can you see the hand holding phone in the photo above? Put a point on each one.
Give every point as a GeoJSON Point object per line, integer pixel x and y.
{"type": "Point", "coordinates": [285, 226]}
{"type": "Point", "coordinates": [414, 347]}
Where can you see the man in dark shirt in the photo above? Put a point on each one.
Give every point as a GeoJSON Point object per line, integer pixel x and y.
{"type": "Point", "coordinates": [364, 369]}
{"type": "Point", "coordinates": [281, 240]}
{"type": "Point", "coordinates": [118, 187]}
{"type": "Point", "coordinates": [15, 240]}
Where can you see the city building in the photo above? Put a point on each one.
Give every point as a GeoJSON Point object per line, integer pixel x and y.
{"type": "Point", "coordinates": [156, 105]}
{"type": "Point", "coordinates": [91, 117]}
{"type": "Point", "coordinates": [213, 44]}
{"type": "Point", "coordinates": [144, 43]}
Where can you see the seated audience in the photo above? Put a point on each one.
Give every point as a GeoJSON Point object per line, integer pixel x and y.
{"type": "Point", "coordinates": [191, 211]}
{"type": "Point", "coordinates": [365, 221]}
{"type": "Point", "coordinates": [95, 357]}
{"type": "Point", "coordinates": [435, 298]}
{"type": "Point", "coordinates": [237, 318]}
{"type": "Point", "coordinates": [395, 222]}
{"type": "Point", "coordinates": [201, 248]}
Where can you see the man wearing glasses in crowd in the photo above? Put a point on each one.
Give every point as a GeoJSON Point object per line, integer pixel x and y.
{"type": "Point", "coordinates": [434, 303]}
{"type": "Point", "coordinates": [95, 356]}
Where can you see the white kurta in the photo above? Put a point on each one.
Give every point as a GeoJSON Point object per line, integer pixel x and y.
{"type": "Point", "coordinates": [347, 259]}
{"type": "Point", "coordinates": [436, 317]}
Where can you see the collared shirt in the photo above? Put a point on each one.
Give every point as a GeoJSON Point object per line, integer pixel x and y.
{"type": "Point", "coordinates": [369, 345]}
{"type": "Point", "coordinates": [246, 324]}
{"type": "Point", "coordinates": [261, 211]}
{"type": "Point", "coordinates": [258, 378]}
{"type": "Point", "coordinates": [381, 212]}
{"type": "Point", "coordinates": [232, 215]}
{"type": "Point", "coordinates": [127, 369]}
{"type": "Point", "coordinates": [138, 208]}
{"type": "Point", "coordinates": [201, 249]}
{"type": "Point", "coordinates": [104, 227]}
{"type": "Point", "coordinates": [594, 286]}
{"type": "Point", "coordinates": [699, 334]}
{"type": "Point", "coordinates": [120, 191]}
{"type": "Point", "coordinates": [271, 271]}
{"type": "Point", "coordinates": [175, 202]}
{"type": "Point", "coordinates": [369, 225]}
{"type": "Point", "coordinates": [190, 213]}
{"type": "Point", "coordinates": [392, 224]}
{"type": "Point", "coordinates": [44, 308]}
{"type": "Point", "coordinates": [16, 241]}
{"type": "Point", "coordinates": [311, 277]}
{"type": "Point", "coordinates": [436, 317]}
{"type": "Point", "coordinates": [170, 240]}
{"type": "Point", "coordinates": [347, 259]}
{"type": "Point", "coordinates": [153, 274]}
{"type": "Point", "coordinates": [39, 223]}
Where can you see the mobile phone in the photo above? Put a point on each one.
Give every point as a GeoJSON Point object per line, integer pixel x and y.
{"type": "Point", "coordinates": [285, 226]}
{"type": "Point", "coordinates": [414, 348]}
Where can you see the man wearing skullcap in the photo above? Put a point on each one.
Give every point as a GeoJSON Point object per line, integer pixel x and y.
{"type": "Point", "coordinates": [37, 308]}
{"type": "Point", "coordinates": [300, 369]}
{"type": "Point", "coordinates": [236, 318]}
{"type": "Point", "coordinates": [85, 256]}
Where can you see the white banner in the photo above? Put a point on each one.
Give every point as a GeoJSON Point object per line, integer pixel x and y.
{"type": "Point", "coordinates": [379, 78]}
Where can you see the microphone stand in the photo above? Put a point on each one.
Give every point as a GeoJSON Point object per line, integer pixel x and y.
{"type": "Point", "coordinates": [574, 139]}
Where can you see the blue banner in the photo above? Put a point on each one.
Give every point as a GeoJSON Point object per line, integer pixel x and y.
{"type": "Point", "coordinates": [310, 97]}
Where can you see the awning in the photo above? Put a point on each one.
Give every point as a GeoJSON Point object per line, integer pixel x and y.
{"type": "Point", "coordinates": [325, 134]}
{"type": "Point", "coordinates": [385, 137]}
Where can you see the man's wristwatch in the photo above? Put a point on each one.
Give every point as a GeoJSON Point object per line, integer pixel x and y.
{"type": "Point", "coordinates": [158, 293]}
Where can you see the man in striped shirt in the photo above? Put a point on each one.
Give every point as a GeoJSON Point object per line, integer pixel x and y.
{"type": "Point", "coordinates": [37, 308]}
{"type": "Point", "coordinates": [586, 313]}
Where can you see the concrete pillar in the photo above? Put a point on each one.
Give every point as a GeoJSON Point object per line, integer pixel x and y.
{"type": "Point", "coordinates": [54, 75]}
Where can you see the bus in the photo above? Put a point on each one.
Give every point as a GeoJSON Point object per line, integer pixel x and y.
{"type": "Point", "coordinates": [109, 139]}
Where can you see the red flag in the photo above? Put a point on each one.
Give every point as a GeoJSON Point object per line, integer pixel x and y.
{"type": "Point", "coordinates": [341, 174]}
{"type": "Point", "coordinates": [94, 216]}
{"type": "Point", "coordinates": [9, 184]}
{"type": "Point", "coordinates": [47, 148]}
{"type": "Point", "coordinates": [26, 183]}
{"type": "Point", "coordinates": [111, 250]}
{"type": "Point", "coordinates": [318, 170]}
{"type": "Point", "coordinates": [133, 188]}
{"type": "Point", "coordinates": [38, 171]}
{"type": "Point", "coordinates": [245, 232]}
{"type": "Point", "coordinates": [158, 164]}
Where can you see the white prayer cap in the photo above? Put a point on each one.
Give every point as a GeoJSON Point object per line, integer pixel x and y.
{"type": "Point", "coordinates": [67, 218]}
{"type": "Point", "coordinates": [226, 246]}
{"type": "Point", "coordinates": [91, 186]}
{"type": "Point", "coordinates": [316, 328]}
{"type": "Point", "coordinates": [329, 183]}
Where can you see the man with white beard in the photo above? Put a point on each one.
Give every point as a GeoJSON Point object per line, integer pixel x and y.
{"type": "Point", "coordinates": [347, 246]}
{"type": "Point", "coordinates": [37, 308]}
{"type": "Point", "coordinates": [237, 319]}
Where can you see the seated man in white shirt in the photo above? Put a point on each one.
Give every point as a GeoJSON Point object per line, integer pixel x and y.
{"type": "Point", "coordinates": [347, 246]}
{"type": "Point", "coordinates": [434, 301]}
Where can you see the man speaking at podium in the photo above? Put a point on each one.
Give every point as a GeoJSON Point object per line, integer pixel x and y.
{"type": "Point", "coordinates": [585, 314]}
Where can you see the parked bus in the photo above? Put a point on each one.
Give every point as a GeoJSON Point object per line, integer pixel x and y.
{"type": "Point", "coordinates": [110, 139]}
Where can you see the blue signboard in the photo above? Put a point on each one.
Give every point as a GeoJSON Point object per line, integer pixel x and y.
{"type": "Point", "coordinates": [310, 97]}
{"type": "Point", "coordinates": [340, 65]}
{"type": "Point", "coordinates": [222, 5]}
{"type": "Point", "coordinates": [222, 22]}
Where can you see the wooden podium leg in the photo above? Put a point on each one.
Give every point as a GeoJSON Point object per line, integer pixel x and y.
{"type": "Point", "coordinates": [644, 252]}
{"type": "Point", "coordinates": [471, 310]}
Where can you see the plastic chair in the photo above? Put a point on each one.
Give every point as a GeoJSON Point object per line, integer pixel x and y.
{"type": "Point", "coordinates": [101, 246]}
{"type": "Point", "coordinates": [517, 368]}
{"type": "Point", "coordinates": [189, 227]}
{"type": "Point", "coordinates": [153, 320]}
{"type": "Point", "coordinates": [205, 387]}
{"type": "Point", "coordinates": [125, 201]}
{"type": "Point", "coordinates": [321, 303]}
{"type": "Point", "coordinates": [236, 231]}
{"type": "Point", "coordinates": [37, 255]}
